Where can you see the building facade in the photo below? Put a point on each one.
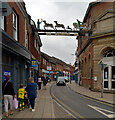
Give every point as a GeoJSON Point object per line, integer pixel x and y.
{"type": "Point", "coordinates": [20, 45]}
{"type": "Point", "coordinates": [15, 54]}
{"type": "Point", "coordinates": [34, 48]}
{"type": "Point", "coordinates": [99, 48]}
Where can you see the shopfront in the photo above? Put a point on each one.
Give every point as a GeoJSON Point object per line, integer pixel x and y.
{"type": "Point", "coordinates": [15, 61]}
{"type": "Point", "coordinates": [109, 70]}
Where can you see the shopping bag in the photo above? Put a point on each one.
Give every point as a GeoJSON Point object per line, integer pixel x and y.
{"type": "Point", "coordinates": [15, 103]}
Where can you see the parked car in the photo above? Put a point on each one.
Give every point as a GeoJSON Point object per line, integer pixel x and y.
{"type": "Point", "coordinates": [61, 81]}
{"type": "Point", "coordinates": [66, 79]}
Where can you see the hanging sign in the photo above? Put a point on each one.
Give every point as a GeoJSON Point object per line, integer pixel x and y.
{"type": "Point", "coordinates": [33, 63]}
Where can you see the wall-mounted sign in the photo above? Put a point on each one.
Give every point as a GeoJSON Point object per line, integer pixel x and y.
{"type": "Point", "coordinates": [33, 63]}
{"type": "Point", "coordinates": [51, 72]}
{"type": "Point", "coordinates": [48, 67]}
{"type": "Point", "coordinates": [7, 73]}
{"type": "Point", "coordinates": [95, 78]}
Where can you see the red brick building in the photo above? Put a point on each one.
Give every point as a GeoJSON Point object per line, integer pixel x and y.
{"type": "Point", "coordinates": [16, 32]}
{"type": "Point", "coordinates": [20, 44]}
{"type": "Point", "coordinates": [99, 18]}
{"type": "Point", "coordinates": [34, 48]}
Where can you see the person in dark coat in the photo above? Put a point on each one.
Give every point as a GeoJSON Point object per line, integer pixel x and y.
{"type": "Point", "coordinates": [39, 83]}
{"type": "Point", "coordinates": [44, 82]}
{"type": "Point", "coordinates": [32, 92]}
{"type": "Point", "coordinates": [8, 94]}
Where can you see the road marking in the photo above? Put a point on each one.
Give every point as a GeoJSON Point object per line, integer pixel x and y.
{"type": "Point", "coordinates": [65, 106]}
{"type": "Point", "coordinates": [64, 109]}
{"type": "Point", "coordinates": [111, 115]}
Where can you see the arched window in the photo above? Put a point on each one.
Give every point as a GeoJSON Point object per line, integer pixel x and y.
{"type": "Point", "coordinates": [109, 53]}
{"type": "Point", "coordinates": [89, 66]}
{"type": "Point", "coordinates": [79, 65]}
{"type": "Point", "coordinates": [85, 67]}
{"type": "Point", "coordinates": [82, 72]}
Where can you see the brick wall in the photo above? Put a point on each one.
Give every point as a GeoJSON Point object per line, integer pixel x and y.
{"type": "Point", "coordinates": [94, 12]}
{"type": "Point", "coordinates": [21, 16]}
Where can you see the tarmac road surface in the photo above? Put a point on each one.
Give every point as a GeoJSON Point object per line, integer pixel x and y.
{"type": "Point", "coordinates": [80, 106]}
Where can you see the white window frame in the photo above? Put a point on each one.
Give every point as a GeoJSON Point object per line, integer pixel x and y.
{"type": "Point", "coordinates": [44, 61]}
{"type": "Point", "coordinates": [2, 22]}
{"type": "Point", "coordinates": [89, 28]}
{"type": "Point", "coordinates": [25, 34]}
{"type": "Point", "coordinates": [27, 44]}
{"type": "Point", "coordinates": [15, 27]}
{"type": "Point", "coordinates": [35, 43]}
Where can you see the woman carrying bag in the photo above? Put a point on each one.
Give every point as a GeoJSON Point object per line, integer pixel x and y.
{"type": "Point", "coordinates": [8, 94]}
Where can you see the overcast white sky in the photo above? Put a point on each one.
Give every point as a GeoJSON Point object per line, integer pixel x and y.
{"type": "Point", "coordinates": [65, 12]}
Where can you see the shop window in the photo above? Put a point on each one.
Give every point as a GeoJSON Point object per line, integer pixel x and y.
{"type": "Point", "coordinates": [106, 73]}
{"type": "Point", "coordinates": [113, 72]}
{"type": "Point", "coordinates": [113, 84]}
{"type": "Point", "coordinates": [105, 84]}
{"type": "Point", "coordinates": [4, 59]}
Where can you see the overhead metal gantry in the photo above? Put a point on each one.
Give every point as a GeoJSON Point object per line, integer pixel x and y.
{"type": "Point", "coordinates": [62, 32]}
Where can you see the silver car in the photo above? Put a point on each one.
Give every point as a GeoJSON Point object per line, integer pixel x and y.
{"type": "Point", "coordinates": [61, 81]}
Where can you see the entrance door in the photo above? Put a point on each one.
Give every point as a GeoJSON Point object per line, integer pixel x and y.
{"type": "Point", "coordinates": [113, 77]}
{"type": "Point", "coordinates": [106, 78]}
{"type": "Point", "coordinates": [109, 78]}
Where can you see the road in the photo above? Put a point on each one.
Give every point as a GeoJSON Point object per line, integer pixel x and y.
{"type": "Point", "coordinates": [80, 106]}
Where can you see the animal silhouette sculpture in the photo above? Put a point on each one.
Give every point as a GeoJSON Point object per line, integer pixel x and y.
{"type": "Point", "coordinates": [47, 24]}
{"type": "Point", "coordinates": [59, 25]}
{"type": "Point", "coordinates": [69, 28]}
{"type": "Point", "coordinates": [84, 26]}
{"type": "Point", "coordinates": [75, 26]}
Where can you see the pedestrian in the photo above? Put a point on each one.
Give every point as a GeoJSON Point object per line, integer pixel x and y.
{"type": "Point", "coordinates": [39, 82]}
{"type": "Point", "coordinates": [21, 93]}
{"type": "Point", "coordinates": [32, 92]}
{"type": "Point", "coordinates": [8, 94]}
{"type": "Point", "coordinates": [44, 82]}
{"type": "Point", "coordinates": [55, 77]}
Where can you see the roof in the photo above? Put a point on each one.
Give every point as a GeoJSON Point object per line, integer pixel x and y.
{"type": "Point", "coordinates": [47, 57]}
{"type": "Point", "coordinates": [89, 9]}
{"type": "Point", "coordinates": [58, 60]}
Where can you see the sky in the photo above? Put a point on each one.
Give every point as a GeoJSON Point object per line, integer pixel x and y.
{"type": "Point", "coordinates": [65, 12]}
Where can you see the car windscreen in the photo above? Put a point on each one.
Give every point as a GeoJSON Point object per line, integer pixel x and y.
{"type": "Point", "coordinates": [61, 79]}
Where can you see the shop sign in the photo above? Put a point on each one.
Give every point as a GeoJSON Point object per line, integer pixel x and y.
{"type": "Point", "coordinates": [54, 72]}
{"type": "Point", "coordinates": [7, 73]}
{"type": "Point", "coordinates": [48, 67]}
{"type": "Point", "coordinates": [45, 71]}
{"type": "Point", "coordinates": [51, 72]}
{"type": "Point", "coordinates": [33, 63]}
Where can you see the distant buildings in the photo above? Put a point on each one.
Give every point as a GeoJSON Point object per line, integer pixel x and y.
{"type": "Point", "coordinates": [54, 67]}
{"type": "Point", "coordinates": [98, 48]}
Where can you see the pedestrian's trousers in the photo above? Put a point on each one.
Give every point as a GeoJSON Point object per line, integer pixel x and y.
{"type": "Point", "coordinates": [21, 104]}
{"type": "Point", "coordinates": [32, 102]}
{"type": "Point", "coordinates": [8, 98]}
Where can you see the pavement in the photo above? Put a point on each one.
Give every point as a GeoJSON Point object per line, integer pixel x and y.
{"type": "Point", "coordinates": [107, 97]}
{"type": "Point", "coordinates": [46, 107]}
